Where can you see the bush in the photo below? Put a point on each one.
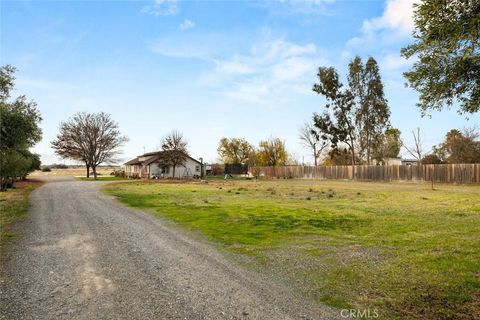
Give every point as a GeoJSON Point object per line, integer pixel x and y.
{"type": "Point", "coordinates": [46, 169]}
{"type": "Point", "coordinates": [118, 173]}
{"type": "Point", "coordinates": [7, 184]}
{"type": "Point", "coordinates": [59, 166]}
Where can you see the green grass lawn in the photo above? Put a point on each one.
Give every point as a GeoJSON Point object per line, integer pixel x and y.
{"type": "Point", "coordinates": [406, 250]}
{"type": "Point", "coordinates": [13, 205]}
{"type": "Point", "coordinates": [102, 178]}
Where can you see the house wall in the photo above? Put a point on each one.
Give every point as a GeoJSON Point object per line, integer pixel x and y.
{"type": "Point", "coordinates": [132, 170]}
{"type": "Point", "coordinates": [393, 161]}
{"type": "Point", "coordinates": [190, 169]}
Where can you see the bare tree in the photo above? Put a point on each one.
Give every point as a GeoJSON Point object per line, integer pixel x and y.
{"type": "Point", "coordinates": [310, 138]}
{"type": "Point", "coordinates": [417, 150]}
{"type": "Point", "coordinates": [175, 150]}
{"type": "Point", "coordinates": [93, 138]}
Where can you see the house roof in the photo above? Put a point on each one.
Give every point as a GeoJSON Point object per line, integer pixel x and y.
{"type": "Point", "coordinates": [152, 159]}
{"type": "Point", "coordinates": [132, 162]}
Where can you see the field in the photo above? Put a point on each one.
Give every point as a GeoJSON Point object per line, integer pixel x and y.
{"type": "Point", "coordinates": [72, 172]}
{"type": "Point", "coordinates": [13, 205]}
{"type": "Point", "coordinates": [402, 249]}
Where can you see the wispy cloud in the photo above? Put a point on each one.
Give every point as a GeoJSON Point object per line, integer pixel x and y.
{"type": "Point", "coordinates": [161, 8]}
{"type": "Point", "coordinates": [268, 74]}
{"type": "Point", "coordinates": [306, 7]}
{"type": "Point", "coordinates": [394, 25]}
{"type": "Point", "coordinates": [398, 15]}
{"type": "Point", "coordinates": [189, 45]}
{"type": "Point", "coordinates": [186, 24]}
{"type": "Point", "coordinates": [44, 84]}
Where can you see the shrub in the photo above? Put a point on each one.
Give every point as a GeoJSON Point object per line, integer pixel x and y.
{"type": "Point", "coordinates": [7, 184]}
{"type": "Point", "coordinates": [46, 169]}
{"type": "Point", "coordinates": [118, 173]}
{"type": "Point", "coordinates": [59, 166]}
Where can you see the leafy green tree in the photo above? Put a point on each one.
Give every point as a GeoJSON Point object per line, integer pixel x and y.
{"type": "Point", "coordinates": [447, 49]}
{"type": "Point", "coordinates": [459, 147]}
{"type": "Point", "coordinates": [234, 150]}
{"type": "Point", "coordinates": [431, 158]}
{"type": "Point", "coordinates": [338, 157]}
{"type": "Point", "coordinates": [19, 130]}
{"type": "Point", "coordinates": [356, 115]}
{"type": "Point", "coordinates": [388, 145]}
{"type": "Point", "coordinates": [372, 112]}
{"type": "Point", "coordinates": [337, 122]}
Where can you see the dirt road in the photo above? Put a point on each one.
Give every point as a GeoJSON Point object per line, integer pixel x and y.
{"type": "Point", "coordinates": [84, 256]}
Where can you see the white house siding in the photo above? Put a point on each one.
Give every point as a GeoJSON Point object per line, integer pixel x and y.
{"type": "Point", "coordinates": [132, 170]}
{"type": "Point", "coordinates": [188, 170]}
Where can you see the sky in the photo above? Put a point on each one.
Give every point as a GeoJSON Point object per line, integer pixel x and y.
{"type": "Point", "coordinates": [209, 69]}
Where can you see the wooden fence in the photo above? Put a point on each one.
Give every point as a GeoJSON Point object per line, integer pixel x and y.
{"type": "Point", "coordinates": [446, 173]}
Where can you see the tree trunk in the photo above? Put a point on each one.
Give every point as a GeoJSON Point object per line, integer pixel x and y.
{"type": "Point", "coordinates": [173, 172]}
{"type": "Point", "coordinates": [94, 169]}
{"type": "Point", "coordinates": [88, 170]}
{"type": "Point", "coordinates": [353, 159]}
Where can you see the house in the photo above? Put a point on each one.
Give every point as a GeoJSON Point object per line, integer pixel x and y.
{"type": "Point", "coordinates": [398, 162]}
{"type": "Point", "coordinates": [148, 166]}
{"type": "Point", "coordinates": [392, 161]}
{"type": "Point", "coordinates": [410, 162]}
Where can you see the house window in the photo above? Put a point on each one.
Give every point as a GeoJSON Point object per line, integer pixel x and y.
{"type": "Point", "coordinates": [165, 170]}
{"type": "Point", "coordinates": [197, 168]}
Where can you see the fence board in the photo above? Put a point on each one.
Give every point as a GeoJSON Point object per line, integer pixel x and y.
{"type": "Point", "coordinates": [445, 173]}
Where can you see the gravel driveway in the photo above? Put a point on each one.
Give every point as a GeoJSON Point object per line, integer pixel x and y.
{"type": "Point", "coordinates": [84, 256]}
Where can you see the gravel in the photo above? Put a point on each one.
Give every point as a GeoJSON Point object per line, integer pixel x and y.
{"type": "Point", "coordinates": [84, 256]}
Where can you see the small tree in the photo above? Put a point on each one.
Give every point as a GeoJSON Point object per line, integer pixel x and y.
{"type": "Point", "coordinates": [431, 159]}
{"type": "Point", "coordinates": [388, 145]}
{"type": "Point", "coordinates": [310, 138]}
{"type": "Point", "coordinates": [272, 153]}
{"type": "Point", "coordinates": [338, 157]}
{"type": "Point", "coordinates": [417, 149]}
{"type": "Point", "coordinates": [459, 147]}
{"type": "Point", "coordinates": [175, 150]}
{"type": "Point", "coordinates": [93, 138]}
{"type": "Point", "coordinates": [235, 150]}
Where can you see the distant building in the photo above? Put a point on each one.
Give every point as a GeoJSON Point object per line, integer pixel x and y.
{"type": "Point", "coordinates": [398, 162]}
{"type": "Point", "coordinates": [410, 162]}
{"type": "Point", "coordinates": [148, 166]}
{"type": "Point", "coordinates": [392, 161]}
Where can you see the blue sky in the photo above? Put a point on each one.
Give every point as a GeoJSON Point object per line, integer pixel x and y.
{"type": "Point", "coordinates": [207, 68]}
